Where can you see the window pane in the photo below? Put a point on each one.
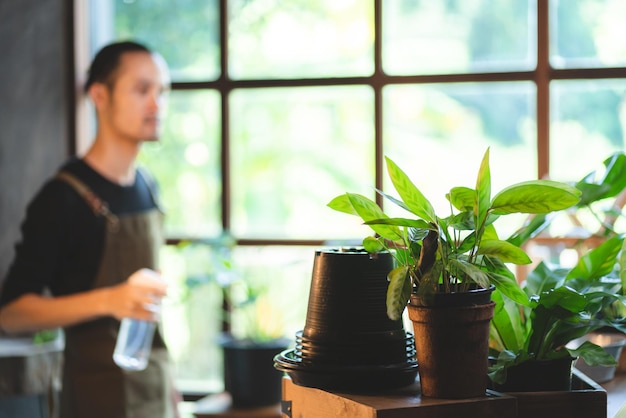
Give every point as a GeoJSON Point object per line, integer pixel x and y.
{"type": "Point", "coordinates": [191, 318]}
{"type": "Point", "coordinates": [458, 36]}
{"type": "Point", "coordinates": [438, 134]}
{"type": "Point", "coordinates": [587, 125]}
{"type": "Point", "coordinates": [192, 313]}
{"type": "Point", "coordinates": [300, 38]}
{"type": "Point", "coordinates": [186, 33]}
{"type": "Point", "coordinates": [293, 150]}
{"type": "Point", "coordinates": [280, 277]}
{"type": "Point", "coordinates": [587, 33]}
{"type": "Point", "coordinates": [186, 163]}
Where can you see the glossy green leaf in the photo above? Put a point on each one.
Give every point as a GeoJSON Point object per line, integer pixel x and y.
{"type": "Point", "coordinates": [398, 292]}
{"type": "Point", "coordinates": [564, 297]}
{"type": "Point", "coordinates": [536, 196]}
{"type": "Point", "coordinates": [593, 354]}
{"type": "Point", "coordinates": [507, 322]}
{"type": "Point", "coordinates": [462, 268]}
{"type": "Point", "coordinates": [608, 182]}
{"type": "Point", "coordinates": [463, 221]}
{"type": "Point", "coordinates": [598, 262]}
{"type": "Point", "coordinates": [483, 192]}
{"type": "Point", "coordinates": [372, 245]}
{"type": "Point", "coordinates": [509, 287]}
{"type": "Point", "coordinates": [412, 223]}
{"type": "Point", "coordinates": [410, 194]}
{"type": "Point", "coordinates": [394, 200]}
{"type": "Point", "coordinates": [462, 198]}
{"type": "Point", "coordinates": [368, 210]}
{"type": "Point", "coordinates": [342, 203]}
{"type": "Point", "coordinates": [543, 278]}
{"type": "Point", "coordinates": [504, 250]}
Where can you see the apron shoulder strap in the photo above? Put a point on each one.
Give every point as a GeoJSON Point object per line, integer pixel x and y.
{"type": "Point", "coordinates": [97, 205]}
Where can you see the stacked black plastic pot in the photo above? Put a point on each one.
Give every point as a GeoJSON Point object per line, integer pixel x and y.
{"type": "Point", "coordinates": [348, 342]}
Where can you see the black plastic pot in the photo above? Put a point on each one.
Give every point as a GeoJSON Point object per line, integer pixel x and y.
{"type": "Point", "coordinates": [348, 342]}
{"type": "Point", "coordinates": [347, 299]}
{"type": "Point", "coordinates": [538, 376]}
{"type": "Point", "coordinates": [249, 375]}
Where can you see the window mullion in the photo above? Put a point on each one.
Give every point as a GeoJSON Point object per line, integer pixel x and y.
{"type": "Point", "coordinates": [542, 80]}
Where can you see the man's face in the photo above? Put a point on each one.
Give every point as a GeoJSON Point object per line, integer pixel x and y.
{"type": "Point", "coordinates": [136, 100]}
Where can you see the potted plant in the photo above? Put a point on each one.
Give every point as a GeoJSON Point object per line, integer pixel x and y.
{"type": "Point", "coordinates": [565, 304]}
{"type": "Point", "coordinates": [598, 313]}
{"type": "Point", "coordinates": [252, 326]}
{"type": "Point", "coordinates": [255, 337]}
{"type": "Point", "coordinates": [443, 259]}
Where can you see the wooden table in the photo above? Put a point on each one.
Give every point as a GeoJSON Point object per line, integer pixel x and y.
{"type": "Point", "coordinates": [396, 404]}
{"type": "Point", "coordinates": [400, 403]}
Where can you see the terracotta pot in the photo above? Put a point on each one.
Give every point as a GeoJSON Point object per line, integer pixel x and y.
{"type": "Point", "coordinates": [452, 342]}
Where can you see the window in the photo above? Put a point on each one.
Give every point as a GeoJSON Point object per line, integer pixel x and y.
{"type": "Point", "coordinates": [279, 106]}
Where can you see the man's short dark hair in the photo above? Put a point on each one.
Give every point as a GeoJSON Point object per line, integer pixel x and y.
{"type": "Point", "coordinates": [107, 60]}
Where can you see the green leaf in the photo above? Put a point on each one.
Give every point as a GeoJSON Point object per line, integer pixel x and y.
{"type": "Point", "coordinates": [392, 199]}
{"type": "Point", "coordinates": [563, 297]}
{"type": "Point", "coordinates": [411, 196]}
{"type": "Point", "coordinates": [398, 292]}
{"type": "Point", "coordinates": [490, 233]}
{"type": "Point", "coordinates": [593, 354]}
{"type": "Point", "coordinates": [462, 198]}
{"type": "Point", "coordinates": [467, 244]}
{"type": "Point", "coordinates": [412, 223]}
{"type": "Point", "coordinates": [372, 245]}
{"type": "Point", "coordinates": [598, 262]}
{"type": "Point", "coordinates": [342, 203]}
{"type": "Point", "coordinates": [504, 250]}
{"type": "Point", "coordinates": [461, 268]}
{"type": "Point", "coordinates": [535, 196]}
{"type": "Point", "coordinates": [463, 221]}
{"type": "Point", "coordinates": [368, 210]}
{"type": "Point", "coordinates": [507, 323]}
{"type": "Point", "coordinates": [592, 192]}
{"type": "Point", "coordinates": [612, 182]}
{"type": "Point", "coordinates": [483, 193]}
{"type": "Point", "coordinates": [497, 372]}
{"type": "Point", "coordinates": [542, 278]}
{"type": "Point", "coordinates": [509, 287]}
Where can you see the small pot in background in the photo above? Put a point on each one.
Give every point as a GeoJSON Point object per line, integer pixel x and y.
{"type": "Point", "coordinates": [249, 374]}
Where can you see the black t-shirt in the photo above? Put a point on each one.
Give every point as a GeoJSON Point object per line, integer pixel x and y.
{"type": "Point", "coordinates": [62, 239]}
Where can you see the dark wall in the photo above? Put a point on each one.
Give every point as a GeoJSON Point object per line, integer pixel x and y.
{"type": "Point", "coordinates": [34, 106]}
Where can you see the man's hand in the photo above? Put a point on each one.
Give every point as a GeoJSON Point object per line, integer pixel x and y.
{"type": "Point", "coordinates": [139, 296]}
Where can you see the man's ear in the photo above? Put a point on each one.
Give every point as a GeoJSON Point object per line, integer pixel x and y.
{"type": "Point", "coordinates": [99, 94]}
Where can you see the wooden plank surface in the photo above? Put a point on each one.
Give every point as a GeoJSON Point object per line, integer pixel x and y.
{"type": "Point", "coordinates": [401, 403]}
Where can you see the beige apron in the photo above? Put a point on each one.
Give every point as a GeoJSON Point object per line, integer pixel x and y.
{"type": "Point", "coordinates": [93, 386]}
